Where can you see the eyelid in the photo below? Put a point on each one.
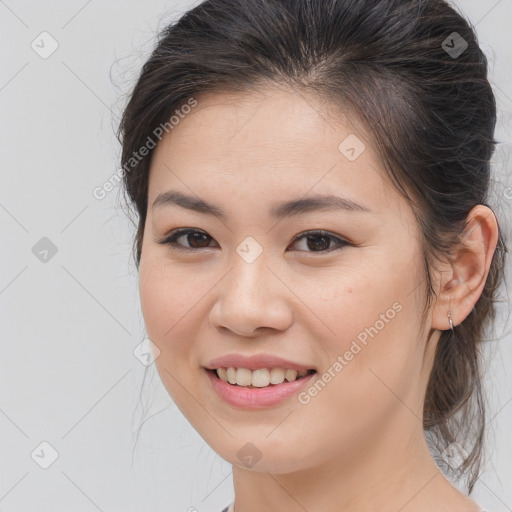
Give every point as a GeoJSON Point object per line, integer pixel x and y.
{"type": "Point", "coordinates": [170, 240]}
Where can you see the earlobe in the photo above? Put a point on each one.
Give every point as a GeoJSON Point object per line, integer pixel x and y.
{"type": "Point", "coordinates": [468, 269]}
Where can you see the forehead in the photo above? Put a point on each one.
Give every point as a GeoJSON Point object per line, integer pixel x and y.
{"type": "Point", "coordinates": [273, 119]}
{"type": "Point", "coordinates": [268, 142]}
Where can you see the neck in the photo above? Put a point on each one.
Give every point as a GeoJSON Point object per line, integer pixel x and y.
{"type": "Point", "coordinates": [394, 472]}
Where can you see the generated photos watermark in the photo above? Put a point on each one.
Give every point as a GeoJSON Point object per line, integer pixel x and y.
{"type": "Point", "coordinates": [343, 360]}
{"type": "Point", "coordinates": [100, 192]}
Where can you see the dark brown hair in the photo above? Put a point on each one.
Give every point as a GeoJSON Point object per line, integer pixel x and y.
{"type": "Point", "coordinates": [399, 67]}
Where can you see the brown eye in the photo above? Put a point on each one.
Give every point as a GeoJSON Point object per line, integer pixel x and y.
{"type": "Point", "coordinates": [196, 239]}
{"type": "Point", "coordinates": [320, 241]}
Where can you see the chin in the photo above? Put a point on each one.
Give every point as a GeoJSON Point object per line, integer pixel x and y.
{"type": "Point", "coordinates": [265, 458]}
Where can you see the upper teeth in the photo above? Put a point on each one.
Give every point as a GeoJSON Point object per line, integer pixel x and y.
{"type": "Point", "coordinates": [258, 378]}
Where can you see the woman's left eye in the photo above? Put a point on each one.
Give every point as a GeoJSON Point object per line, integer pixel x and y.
{"type": "Point", "coordinates": [199, 240]}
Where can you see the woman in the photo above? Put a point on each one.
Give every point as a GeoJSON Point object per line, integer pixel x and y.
{"type": "Point", "coordinates": [316, 255]}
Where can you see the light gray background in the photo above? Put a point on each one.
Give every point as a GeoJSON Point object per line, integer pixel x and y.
{"type": "Point", "coordinates": [69, 326]}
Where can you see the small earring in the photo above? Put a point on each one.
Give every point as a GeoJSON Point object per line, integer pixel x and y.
{"type": "Point", "coordinates": [450, 320]}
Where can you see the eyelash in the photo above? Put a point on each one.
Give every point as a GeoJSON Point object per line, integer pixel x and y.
{"type": "Point", "coordinates": [170, 240]}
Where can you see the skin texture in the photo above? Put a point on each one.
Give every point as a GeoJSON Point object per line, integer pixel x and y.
{"type": "Point", "coordinates": [359, 443]}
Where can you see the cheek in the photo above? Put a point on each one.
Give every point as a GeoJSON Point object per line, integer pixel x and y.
{"type": "Point", "coordinates": [372, 318]}
{"type": "Point", "coordinates": [155, 296]}
{"type": "Point", "coordinates": [174, 304]}
{"type": "Point", "coordinates": [347, 301]}
{"type": "Point", "coordinates": [166, 303]}
{"type": "Point", "coordinates": [364, 384]}
{"type": "Point", "coordinates": [172, 323]}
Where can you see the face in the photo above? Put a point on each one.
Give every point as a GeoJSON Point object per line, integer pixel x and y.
{"type": "Point", "coordinates": [346, 302]}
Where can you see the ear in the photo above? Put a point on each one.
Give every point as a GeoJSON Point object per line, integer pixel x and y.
{"type": "Point", "coordinates": [464, 277]}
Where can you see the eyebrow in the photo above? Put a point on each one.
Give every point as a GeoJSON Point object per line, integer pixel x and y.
{"type": "Point", "coordinates": [278, 211]}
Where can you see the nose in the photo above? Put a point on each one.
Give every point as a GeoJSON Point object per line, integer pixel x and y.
{"type": "Point", "coordinates": [251, 299]}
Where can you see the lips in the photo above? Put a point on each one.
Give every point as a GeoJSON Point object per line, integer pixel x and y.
{"type": "Point", "coordinates": [255, 362]}
{"type": "Point", "coordinates": [256, 398]}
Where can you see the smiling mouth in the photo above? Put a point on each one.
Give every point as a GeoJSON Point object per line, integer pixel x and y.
{"type": "Point", "coordinates": [285, 382]}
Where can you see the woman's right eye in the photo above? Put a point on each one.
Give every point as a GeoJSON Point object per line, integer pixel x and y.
{"type": "Point", "coordinates": [193, 236]}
